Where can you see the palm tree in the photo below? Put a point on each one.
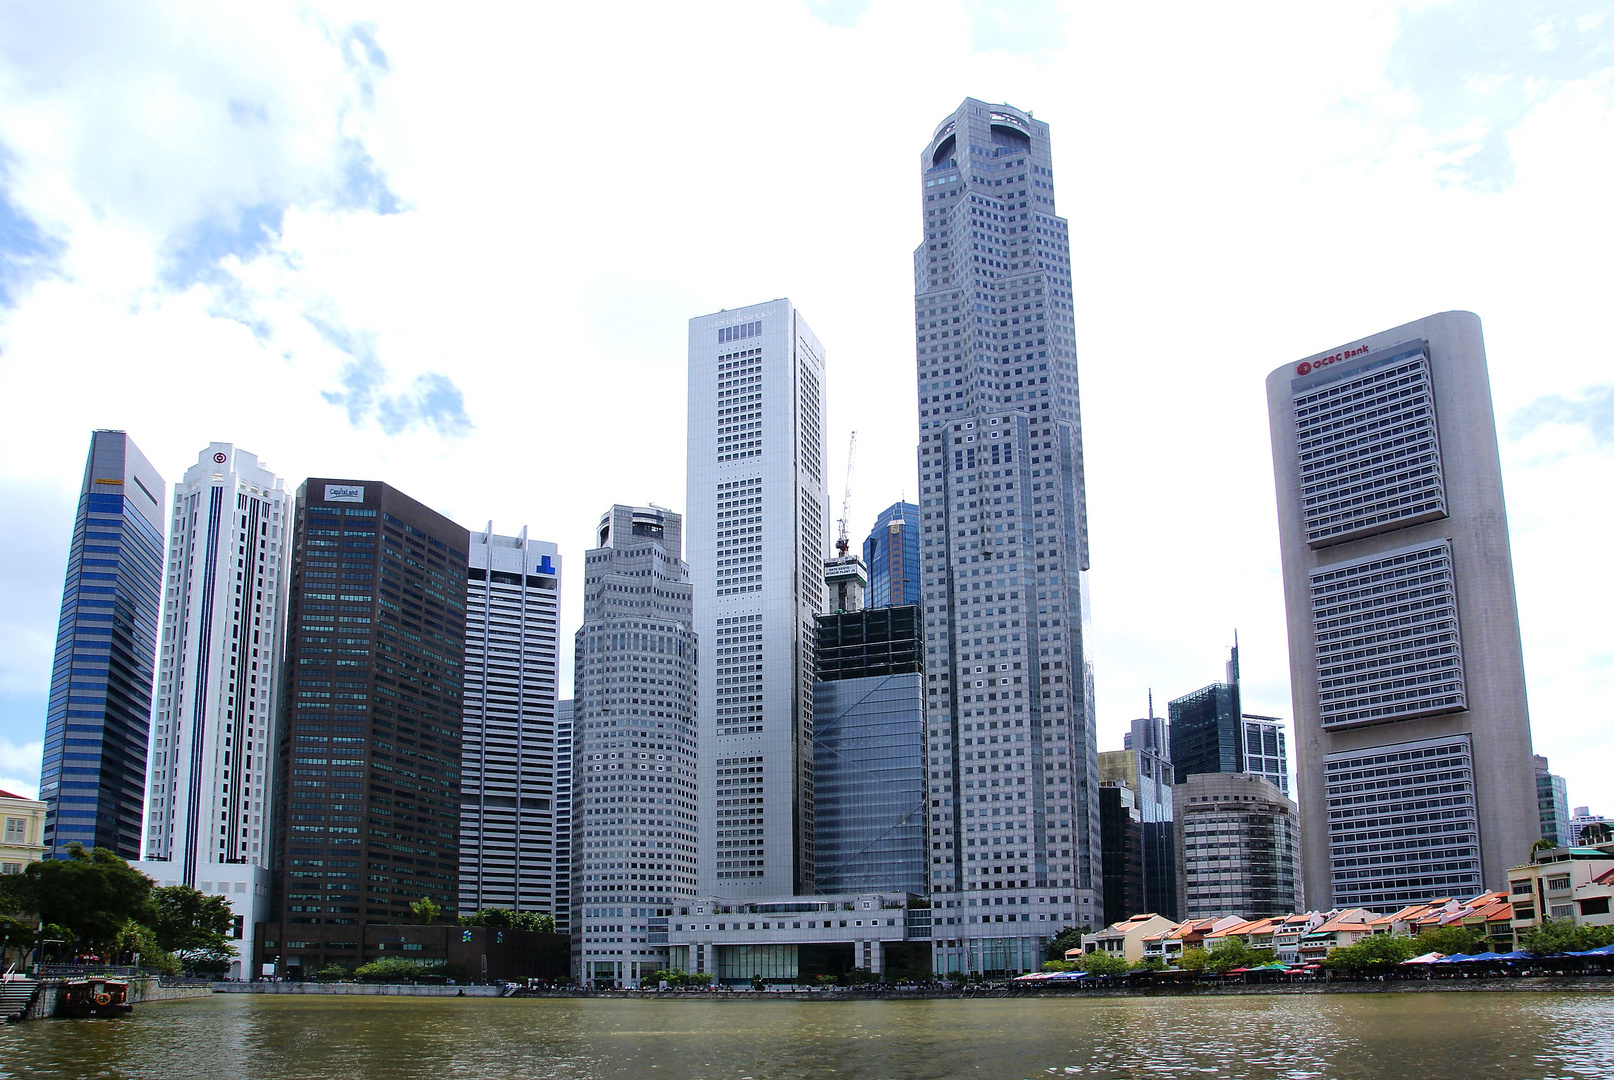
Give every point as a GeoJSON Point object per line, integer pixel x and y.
{"type": "Point", "coordinates": [1541, 845]}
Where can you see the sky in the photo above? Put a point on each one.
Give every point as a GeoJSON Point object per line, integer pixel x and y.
{"type": "Point", "coordinates": [459, 253]}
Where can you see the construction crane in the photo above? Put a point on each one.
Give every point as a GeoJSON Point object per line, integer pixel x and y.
{"type": "Point", "coordinates": [842, 543]}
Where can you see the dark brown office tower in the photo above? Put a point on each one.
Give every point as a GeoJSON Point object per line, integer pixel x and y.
{"type": "Point", "coordinates": [367, 783]}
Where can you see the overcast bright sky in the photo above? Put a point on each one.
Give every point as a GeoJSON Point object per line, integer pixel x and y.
{"type": "Point", "coordinates": [454, 248]}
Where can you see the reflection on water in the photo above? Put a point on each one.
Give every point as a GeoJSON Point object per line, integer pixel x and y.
{"type": "Point", "coordinates": [1437, 1036]}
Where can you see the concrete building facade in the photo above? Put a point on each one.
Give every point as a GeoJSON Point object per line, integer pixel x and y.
{"type": "Point", "coordinates": [1237, 840]}
{"type": "Point", "coordinates": [22, 832]}
{"type": "Point", "coordinates": [758, 534]}
{"type": "Point", "coordinates": [1412, 729]}
{"type": "Point", "coordinates": [635, 798]}
{"type": "Point", "coordinates": [509, 752]}
{"type": "Point", "coordinates": [1003, 548]}
{"type": "Point", "coordinates": [210, 784]}
{"type": "Point", "coordinates": [98, 718]}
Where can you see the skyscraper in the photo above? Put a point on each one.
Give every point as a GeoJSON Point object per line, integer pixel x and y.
{"type": "Point", "coordinates": [509, 753]}
{"type": "Point", "coordinates": [891, 553]}
{"type": "Point", "coordinates": [565, 813]}
{"type": "Point", "coordinates": [1266, 750]}
{"type": "Point", "coordinates": [1411, 726]}
{"type": "Point", "coordinates": [758, 535]}
{"type": "Point", "coordinates": [635, 799]}
{"type": "Point", "coordinates": [869, 752]}
{"type": "Point", "coordinates": [367, 776]}
{"type": "Point", "coordinates": [1144, 766]}
{"type": "Point", "coordinates": [98, 719]}
{"type": "Point", "coordinates": [1003, 547]}
{"type": "Point", "coordinates": [1207, 731]}
{"type": "Point", "coordinates": [1238, 847]}
{"type": "Point", "coordinates": [1552, 799]}
{"type": "Point", "coordinates": [218, 686]}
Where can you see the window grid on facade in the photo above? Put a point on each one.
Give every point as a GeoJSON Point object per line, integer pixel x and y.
{"type": "Point", "coordinates": [1402, 823]}
{"type": "Point", "coordinates": [1369, 450]}
{"type": "Point", "coordinates": [1386, 637]}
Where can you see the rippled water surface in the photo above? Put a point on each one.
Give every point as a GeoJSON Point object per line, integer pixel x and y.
{"type": "Point", "coordinates": [1440, 1036]}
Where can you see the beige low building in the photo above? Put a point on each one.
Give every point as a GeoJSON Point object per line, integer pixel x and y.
{"type": "Point", "coordinates": [22, 827]}
{"type": "Point", "coordinates": [1573, 883]}
{"type": "Point", "coordinates": [1123, 939]}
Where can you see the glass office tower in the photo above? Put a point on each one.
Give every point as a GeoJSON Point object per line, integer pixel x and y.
{"type": "Point", "coordinates": [869, 752]}
{"type": "Point", "coordinates": [891, 553]}
{"type": "Point", "coordinates": [97, 722]}
{"type": "Point", "coordinates": [367, 781]}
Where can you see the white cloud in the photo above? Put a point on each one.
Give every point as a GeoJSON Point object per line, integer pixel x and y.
{"type": "Point", "coordinates": [17, 762]}
{"type": "Point", "coordinates": [305, 231]}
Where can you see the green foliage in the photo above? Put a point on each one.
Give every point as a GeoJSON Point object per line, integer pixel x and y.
{"type": "Point", "coordinates": [1060, 965]}
{"type": "Point", "coordinates": [1235, 952]}
{"type": "Point", "coordinates": [1562, 935]}
{"type": "Point", "coordinates": [1376, 953]}
{"type": "Point", "coordinates": [397, 969]}
{"type": "Point", "coordinates": [1451, 940]}
{"type": "Point", "coordinates": [192, 925]}
{"type": "Point", "coordinates": [1541, 845]}
{"type": "Point", "coordinates": [537, 922]}
{"type": "Point", "coordinates": [1099, 963]}
{"type": "Point", "coordinates": [426, 912]}
{"type": "Point", "coordinates": [333, 972]}
{"type": "Point", "coordinates": [136, 938]}
{"type": "Point", "coordinates": [1068, 938]}
{"type": "Point", "coordinates": [1150, 963]}
{"type": "Point", "coordinates": [1194, 958]}
{"type": "Point", "coordinates": [91, 895]}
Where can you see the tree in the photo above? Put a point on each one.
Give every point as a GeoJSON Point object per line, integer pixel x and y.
{"type": "Point", "coordinates": [1562, 935]}
{"type": "Point", "coordinates": [396, 969]}
{"type": "Point", "coordinates": [136, 939]}
{"type": "Point", "coordinates": [1451, 940]}
{"type": "Point", "coordinates": [1099, 963]}
{"type": "Point", "coordinates": [1541, 845]}
{"type": "Point", "coordinates": [1150, 963]}
{"type": "Point", "coordinates": [425, 910]}
{"type": "Point", "coordinates": [1068, 938]}
{"type": "Point", "coordinates": [191, 924]}
{"type": "Point", "coordinates": [1380, 952]}
{"type": "Point", "coordinates": [537, 922]}
{"type": "Point", "coordinates": [1060, 965]}
{"type": "Point", "coordinates": [333, 972]}
{"type": "Point", "coordinates": [92, 895]}
{"type": "Point", "coordinates": [1194, 958]}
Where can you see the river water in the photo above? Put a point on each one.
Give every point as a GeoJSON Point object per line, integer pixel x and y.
{"type": "Point", "coordinates": [1430, 1036]}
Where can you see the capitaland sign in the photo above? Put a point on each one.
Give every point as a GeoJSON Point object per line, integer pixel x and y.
{"type": "Point", "coordinates": [1306, 367]}
{"type": "Point", "coordinates": [344, 493]}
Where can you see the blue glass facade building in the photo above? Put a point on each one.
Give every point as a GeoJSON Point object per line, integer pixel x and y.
{"type": "Point", "coordinates": [892, 555]}
{"type": "Point", "coordinates": [93, 779]}
{"type": "Point", "coordinates": [869, 752]}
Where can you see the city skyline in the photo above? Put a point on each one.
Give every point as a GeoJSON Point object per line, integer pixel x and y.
{"type": "Point", "coordinates": [223, 275]}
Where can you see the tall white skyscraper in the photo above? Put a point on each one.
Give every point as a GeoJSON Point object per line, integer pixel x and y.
{"type": "Point", "coordinates": [1412, 732]}
{"type": "Point", "coordinates": [1013, 757]}
{"type": "Point", "coordinates": [634, 731]}
{"type": "Point", "coordinates": [509, 798]}
{"type": "Point", "coordinates": [218, 683]}
{"type": "Point", "coordinates": [758, 531]}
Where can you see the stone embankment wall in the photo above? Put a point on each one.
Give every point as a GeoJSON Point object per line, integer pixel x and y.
{"type": "Point", "coordinates": [141, 991]}
{"type": "Point", "coordinates": [382, 989]}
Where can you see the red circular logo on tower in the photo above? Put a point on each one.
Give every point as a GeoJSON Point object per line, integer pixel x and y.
{"type": "Point", "coordinates": [220, 458]}
{"type": "Point", "coordinates": [1304, 368]}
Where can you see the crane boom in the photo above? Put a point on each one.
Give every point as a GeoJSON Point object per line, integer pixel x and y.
{"type": "Point", "coordinates": [843, 543]}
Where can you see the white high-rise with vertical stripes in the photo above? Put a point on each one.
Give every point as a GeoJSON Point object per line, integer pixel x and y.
{"type": "Point", "coordinates": [758, 532]}
{"type": "Point", "coordinates": [218, 678]}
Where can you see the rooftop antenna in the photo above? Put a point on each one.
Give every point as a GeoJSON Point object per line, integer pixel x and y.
{"type": "Point", "coordinates": [842, 543]}
{"type": "Point", "coordinates": [1151, 703]}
